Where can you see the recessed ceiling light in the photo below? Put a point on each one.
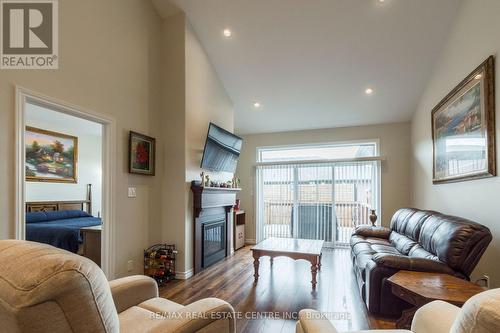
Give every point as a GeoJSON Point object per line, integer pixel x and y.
{"type": "Point", "coordinates": [369, 91]}
{"type": "Point", "coordinates": [478, 77]}
{"type": "Point", "coordinates": [227, 33]}
{"type": "Point", "coordinates": [256, 105]}
{"type": "Point", "coordinates": [381, 1]}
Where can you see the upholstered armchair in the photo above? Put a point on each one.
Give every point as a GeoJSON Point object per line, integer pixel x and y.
{"type": "Point", "coordinates": [480, 314]}
{"type": "Point", "coordinates": [45, 289]}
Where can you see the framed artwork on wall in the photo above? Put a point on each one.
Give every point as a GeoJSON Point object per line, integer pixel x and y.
{"type": "Point", "coordinates": [463, 129]}
{"type": "Point", "coordinates": [50, 156]}
{"type": "Point", "coordinates": [142, 153]}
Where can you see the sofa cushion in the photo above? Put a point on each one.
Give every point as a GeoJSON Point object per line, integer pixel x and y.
{"type": "Point", "coordinates": [454, 240]}
{"type": "Point", "coordinates": [363, 250]}
{"type": "Point", "coordinates": [137, 319]}
{"type": "Point", "coordinates": [402, 243]}
{"type": "Point", "coordinates": [419, 252]}
{"type": "Point", "coordinates": [408, 222]}
{"type": "Point", "coordinates": [385, 248]}
{"type": "Point", "coordinates": [160, 305]}
{"type": "Point", "coordinates": [362, 247]}
{"type": "Point", "coordinates": [400, 218]}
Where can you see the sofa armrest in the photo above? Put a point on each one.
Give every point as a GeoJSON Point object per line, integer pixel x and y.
{"type": "Point", "coordinates": [132, 290]}
{"type": "Point", "coordinates": [212, 314]}
{"type": "Point", "coordinates": [371, 231]}
{"type": "Point", "coordinates": [411, 264]}
{"type": "Point", "coordinates": [311, 321]}
{"type": "Point", "coordinates": [425, 319]}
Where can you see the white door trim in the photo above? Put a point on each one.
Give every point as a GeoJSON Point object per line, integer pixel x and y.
{"type": "Point", "coordinates": [108, 160]}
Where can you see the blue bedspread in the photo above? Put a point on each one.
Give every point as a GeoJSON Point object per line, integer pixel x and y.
{"type": "Point", "coordinates": [62, 233]}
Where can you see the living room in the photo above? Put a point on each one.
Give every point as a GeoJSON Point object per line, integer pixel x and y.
{"type": "Point", "coordinates": [333, 116]}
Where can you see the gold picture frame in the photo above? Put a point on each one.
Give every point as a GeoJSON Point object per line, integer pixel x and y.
{"type": "Point", "coordinates": [463, 129]}
{"type": "Point", "coordinates": [50, 156]}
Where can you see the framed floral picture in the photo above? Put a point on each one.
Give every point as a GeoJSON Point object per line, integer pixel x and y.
{"type": "Point", "coordinates": [463, 129]}
{"type": "Point", "coordinates": [50, 156]}
{"type": "Point", "coordinates": [142, 153]}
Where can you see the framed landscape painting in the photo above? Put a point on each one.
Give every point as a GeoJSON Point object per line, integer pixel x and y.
{"type": "Point", "coordinates": [50, 156]}
{"type": "Point", "coordinates": [142, 154]}
{"type": "Point", "coordinates": [463, 129]}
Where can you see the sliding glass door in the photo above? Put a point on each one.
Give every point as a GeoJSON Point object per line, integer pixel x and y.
{"type": "Point", "coordinates": [315, 200]}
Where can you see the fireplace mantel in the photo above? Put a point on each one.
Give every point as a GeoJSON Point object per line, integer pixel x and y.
{"type": "Point", "coordinates": [211, 197]}
{"type": "Point", "coordinates": [212, 209]}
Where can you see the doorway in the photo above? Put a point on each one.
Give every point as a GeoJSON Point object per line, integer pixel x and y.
{"type": "Point", "coordinates": [63, 172]}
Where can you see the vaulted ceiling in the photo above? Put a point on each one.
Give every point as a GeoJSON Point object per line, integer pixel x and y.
{"type": "Point", "coordinates": [309, 62]}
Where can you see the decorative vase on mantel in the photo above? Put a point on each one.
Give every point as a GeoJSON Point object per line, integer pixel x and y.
{"type": "Point", "coordinates": [373, 217]}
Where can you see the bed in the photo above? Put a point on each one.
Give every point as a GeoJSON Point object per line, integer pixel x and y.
{"type": "Point", "coordinates": [59, 223]}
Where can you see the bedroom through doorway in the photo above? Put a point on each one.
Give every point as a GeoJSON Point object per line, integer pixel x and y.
{"type": "Point", "coordinates": [64, 177]}
{"type": "Point", "coordinates": [63, 169]}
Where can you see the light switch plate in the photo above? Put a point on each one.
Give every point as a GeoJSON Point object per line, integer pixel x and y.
{"type": "Point", "coordinates": [130, 266]}
{"type": "Point", "coordinates": [131, 192]}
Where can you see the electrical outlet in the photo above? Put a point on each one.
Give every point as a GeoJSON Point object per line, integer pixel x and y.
{"type": "Point", "coordinates": [131, 192]}
{"type": "Point", "coordinates": [130, 266]}
{"type": "Point", "coordinates": [484, 281]}
{"type": "Point", "coordinates": [487, 281]}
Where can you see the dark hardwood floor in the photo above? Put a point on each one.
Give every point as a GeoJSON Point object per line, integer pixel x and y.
{"type": "Point", "coordinates": [272, 304]}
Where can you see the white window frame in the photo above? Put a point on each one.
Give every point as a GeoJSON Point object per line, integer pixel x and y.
{"type": "Point", "coordinates": [376, 142]}
{"type": "Point", "coordinates": [377, 158]}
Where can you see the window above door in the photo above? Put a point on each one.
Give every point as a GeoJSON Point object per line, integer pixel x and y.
{"type": "Point", "coordinates": [318, 152]}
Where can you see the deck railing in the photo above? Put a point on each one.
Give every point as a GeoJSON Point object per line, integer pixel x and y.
{"type": "Point", "coordinates": [315, 220]}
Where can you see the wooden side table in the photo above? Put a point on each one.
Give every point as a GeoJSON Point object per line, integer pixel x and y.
{"type": "Point", "coordinates": [92, 243]}
{"type": "Point", "coordinates": [420, 288]}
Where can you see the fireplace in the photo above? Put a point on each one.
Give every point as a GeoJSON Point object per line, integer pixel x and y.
{"type": "Point", "coordinates": [214, 242]}
{"type": "Point", "coordinates": [212, 209]}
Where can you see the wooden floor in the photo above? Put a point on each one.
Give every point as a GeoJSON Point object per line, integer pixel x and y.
{"type": "Point", "coordinates": [272, 304]}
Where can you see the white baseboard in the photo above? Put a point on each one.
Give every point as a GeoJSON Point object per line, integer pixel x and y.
{"type": "Point", "coordinates": [184, 275]}
{"type": "Point", "coordinates": [250, 241]}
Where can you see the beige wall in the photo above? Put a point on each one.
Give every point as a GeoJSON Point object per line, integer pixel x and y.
{"type": "Point", "coordinates": [206, 101]}
{"type": "Point", "coordinates": [394, 145]}
{"type": "Point", "coordinates": [193, 97]}
{"type": "Point", "coordinates": [108, 64]}
{"type": "Point", "coordinates": [475, 36]}
{"type": "Point", "coordinates": [173, 201]}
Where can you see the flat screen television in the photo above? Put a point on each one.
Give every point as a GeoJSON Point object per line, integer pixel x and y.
{"type": "Point", "coordinates": [222, 149]}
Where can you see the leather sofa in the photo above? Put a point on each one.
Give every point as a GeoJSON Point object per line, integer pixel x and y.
{"type": "Point", "coordinates": [417, 240]}
{"type": "Point", "coordinates": [45, 289]}
{"type": "Point", "coordinates": [480, 314]}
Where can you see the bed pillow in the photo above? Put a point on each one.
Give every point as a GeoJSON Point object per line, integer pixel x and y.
{"type": "Point", "coordinates": [34, 217]}
{"type": "Point", "coordinates": [65, 214]}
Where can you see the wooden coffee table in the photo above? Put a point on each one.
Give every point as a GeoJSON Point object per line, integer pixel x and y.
{"type": "Point", "coordinates": [306, 249]}
{"type": "Point", "coordinates": [420, 288]}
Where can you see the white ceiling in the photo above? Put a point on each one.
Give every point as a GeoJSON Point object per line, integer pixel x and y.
{"type": "Point", "coordinates": [308, 62]}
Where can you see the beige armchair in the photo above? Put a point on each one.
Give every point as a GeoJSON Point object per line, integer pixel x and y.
{"type": "Point", "coordinates": [480, 314]}
{"type": "Point", "coordinates": [45, 289]}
